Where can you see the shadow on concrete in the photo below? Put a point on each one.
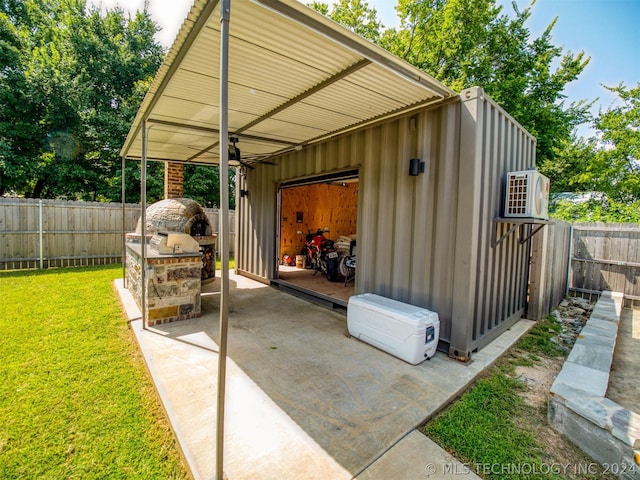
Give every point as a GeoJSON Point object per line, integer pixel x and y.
{"type": "Point", "coordinates": [305, 400]}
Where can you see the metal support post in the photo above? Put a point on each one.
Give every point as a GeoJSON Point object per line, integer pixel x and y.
{"type": "Point", "coordinates": [225, 13]}
{"type": "Point", "coordinates": [124, 242]}
{"type": "Point", "coordinates": [143, 223]}
{"type": "Point", "coordinates": [40, 234]}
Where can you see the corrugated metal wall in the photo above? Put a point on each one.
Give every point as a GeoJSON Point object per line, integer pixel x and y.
{"type": "Point", "coordinates": [424, 240]}
{"type": "Point", "coordinates": [491, 282]}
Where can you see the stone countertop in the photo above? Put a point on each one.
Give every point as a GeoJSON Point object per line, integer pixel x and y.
{"type": "Point", "coordinates": [136, 248]}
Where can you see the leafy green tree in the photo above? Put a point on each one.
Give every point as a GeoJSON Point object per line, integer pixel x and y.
{"type": "Point", "coordinates": [565, 170]}
{"type": "Point", "coordinates": [606, 166]}
{"type": "Point", "coordinates": [202, 184]}
{"type": "Point", "coordinates": [599, 208]}
{"type": "Point", "coordinates": [615, 169]}
{"type": "Point", "coordinates": [471, 42]}
{"type": "Point", "coordinates": [19, 132]}
{"type": "Point", "coordinates": [356, 15]}
{"type": "Point", "coordinates": [77, 79]}
{"type": "Point", "coordinates": [464, 43]}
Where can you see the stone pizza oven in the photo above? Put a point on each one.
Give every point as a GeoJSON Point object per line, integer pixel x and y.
{"type": "Point", "coordinates": [180, 257]}
{"type": "Point", "coordinates": [184, 215]}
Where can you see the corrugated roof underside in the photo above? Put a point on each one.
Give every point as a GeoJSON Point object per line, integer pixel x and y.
{"type": "Point", "coordinates": [287, 84]}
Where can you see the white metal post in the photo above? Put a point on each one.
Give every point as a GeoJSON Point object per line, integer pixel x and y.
{"type": "Point", "coordinates": [40, 235]}
{"type": "Point", "coordinates": [143, 229]}
{"type": "Point", "coordinates": [124, 241]}
{"type": "Point", "coordinates": [225, 13]}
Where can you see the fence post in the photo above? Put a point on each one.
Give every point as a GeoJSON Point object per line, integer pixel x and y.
{"type": "Point", "coordinates": [40, 234]}
{"type": "Point", "coordinates": [569, 260]}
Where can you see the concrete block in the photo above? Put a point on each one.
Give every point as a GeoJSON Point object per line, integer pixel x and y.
{"type": "Point", "coordinates": [613, 299]}
{"type": "Point", "coordinates": [626, 427]}
{"type": "Point", "coordinates": [605, 328]}
{"type": "Point", "coordinates": [593, 351]}
{"type": "Point", "coordinates": [594, 409]}
{"type": "Point", "coordinates": [563, 393]}
{"type": "Point", "coordinates": [591, 381]}
{"type": "Point", "coordinates": [595, 441]}
{"type": "Point", "coordinates": [617, 297]}
{"type": "Point", "coordinates": [605, 312]}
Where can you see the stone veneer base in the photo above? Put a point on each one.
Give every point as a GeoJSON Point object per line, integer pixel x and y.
{"type": "Point", "coordinates": [173, 285]}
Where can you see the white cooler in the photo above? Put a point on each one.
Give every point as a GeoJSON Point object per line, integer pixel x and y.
{"type": "Point", "coordinates": [405, 331]}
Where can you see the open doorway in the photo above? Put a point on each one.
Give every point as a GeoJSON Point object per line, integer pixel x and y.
{"type": "Point", "coordinates": [311, 209]}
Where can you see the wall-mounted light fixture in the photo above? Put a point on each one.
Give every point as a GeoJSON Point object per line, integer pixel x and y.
{"type": "Point", "coordinates": [416, 167]}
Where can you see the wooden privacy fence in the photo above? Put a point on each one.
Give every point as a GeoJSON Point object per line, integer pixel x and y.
{"type": "Point", "coordinates": [583, 259]}
{"type": "Point", "coordinates": [549, 268]}
{"type": "Point", "coordinates": [606, 256]}
{"type": "Point", "coordinates": [58, 233]}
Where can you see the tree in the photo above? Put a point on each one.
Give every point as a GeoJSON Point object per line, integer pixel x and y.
{"type": "Point", "coordinates": [471, 42]}
{"type": "Point", "coordinates": [605, 167]}
{"type": "Point", "coordinates": [18, 130]}
{"type": "Point", "coordinates": [80, 77]}
{"type": "Point", "coordinates": [615, 168]}
{"type": "Point", "coordinates": [202, 184]}
{"type": "Point", "coordinates": [611, 164]}
{"type": "Point", "coordinates": [356, 15]}
{"type": "Point", "coordinates": [569, 161]}
{"type": "Point", "coordinates": [464, 43]}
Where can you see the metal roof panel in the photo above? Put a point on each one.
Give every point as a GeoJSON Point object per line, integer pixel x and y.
{"type": "Point", "coordinates": [294, 77]}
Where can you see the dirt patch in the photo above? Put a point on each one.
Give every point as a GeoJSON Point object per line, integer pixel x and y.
{"type": "Point", "coordinates": [571, 315]}
{"type": "Point", "coordinates": [624, 381]}
{"type": "Point", "coordinates": [539, 379]}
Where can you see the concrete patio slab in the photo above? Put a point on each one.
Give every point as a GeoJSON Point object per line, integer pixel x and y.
{"type": "Point", "coordinates": [418, 457]}
{"type": "Point", "coordinates": [304, 400]}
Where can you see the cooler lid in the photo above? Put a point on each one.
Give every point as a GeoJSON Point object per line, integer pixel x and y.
{"type": "Point", "coordinates": [390, 306]}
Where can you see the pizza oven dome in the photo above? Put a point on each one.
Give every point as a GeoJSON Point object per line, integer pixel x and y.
{"type": "Point", "coordinates": [176, 215]}
{"type": "Point", "coordinates": [183, 215]}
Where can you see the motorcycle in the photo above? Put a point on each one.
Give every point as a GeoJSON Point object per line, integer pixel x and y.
{"type": "Point", "coordinates": [321, 255]}
{"type": "Point", "coordinates": [347, 267]}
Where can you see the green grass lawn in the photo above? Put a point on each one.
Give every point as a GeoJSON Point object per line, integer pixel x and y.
{"type": "Point", "coordinates": [75, 399]}
{"type": "Point", "coordinates": [232, 264]}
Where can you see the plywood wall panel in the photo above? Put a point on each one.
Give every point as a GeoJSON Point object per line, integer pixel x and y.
{"type": "Point", "coordinates": [332, 207]}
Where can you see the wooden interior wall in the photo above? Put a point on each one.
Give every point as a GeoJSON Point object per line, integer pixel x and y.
{"type": "Point", "coordinates": [331, 206]}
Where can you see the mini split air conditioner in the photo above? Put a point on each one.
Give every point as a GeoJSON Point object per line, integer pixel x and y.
{"type": "Point", "coordinates": [527, 195]}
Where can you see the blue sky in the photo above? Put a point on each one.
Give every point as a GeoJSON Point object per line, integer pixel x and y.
{"type": "Point", "coordinates": [606, 30]}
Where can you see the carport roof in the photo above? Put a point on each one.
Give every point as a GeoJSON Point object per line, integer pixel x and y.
{"type": "Point", "coordinates": [295, 78]}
